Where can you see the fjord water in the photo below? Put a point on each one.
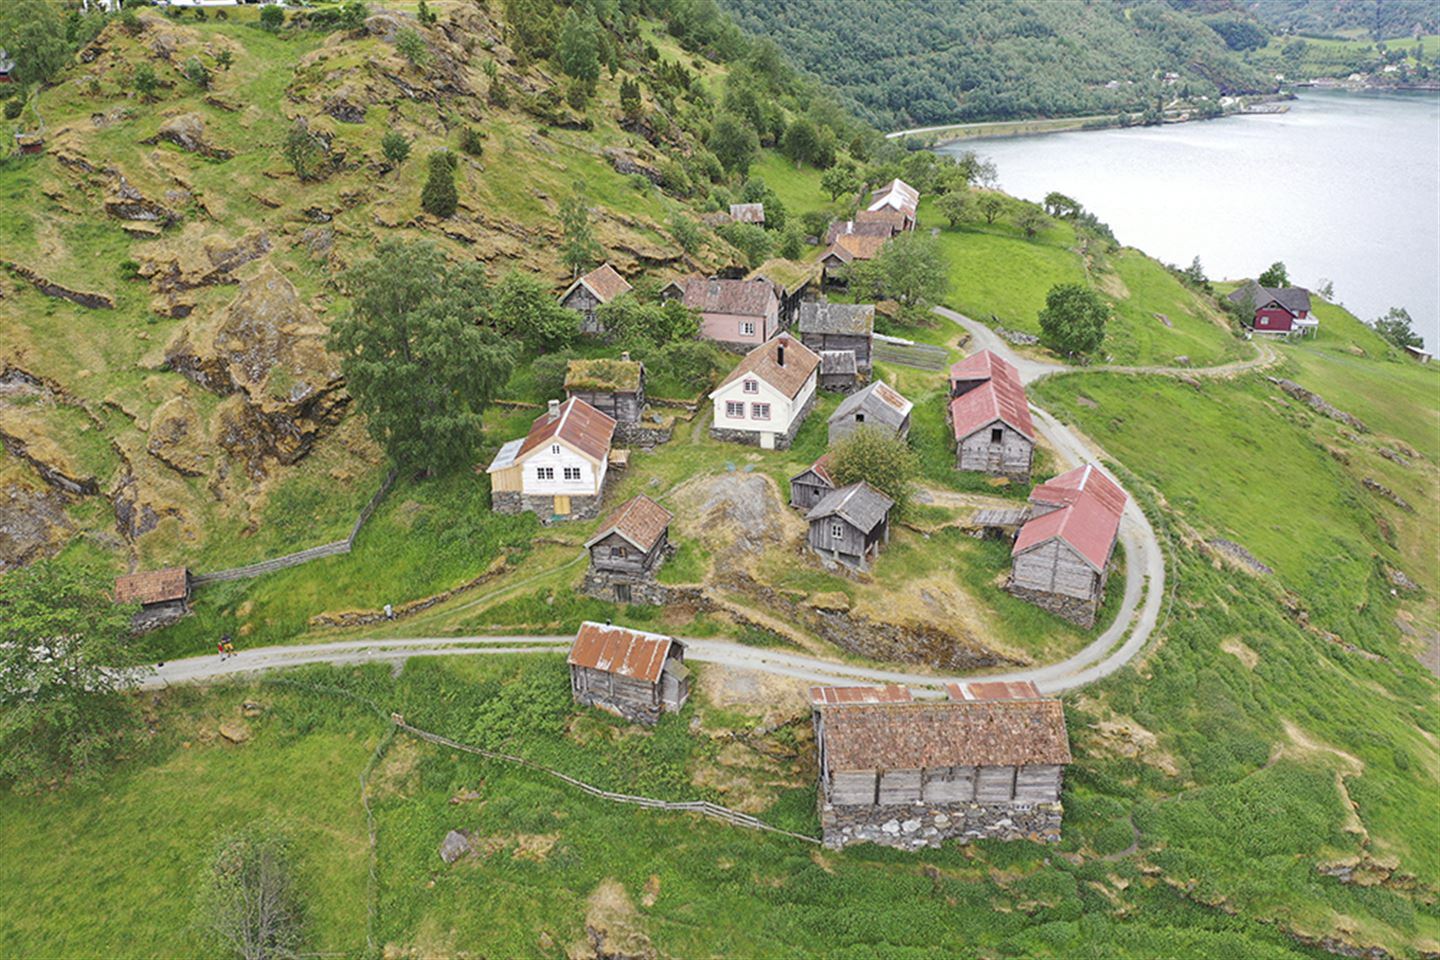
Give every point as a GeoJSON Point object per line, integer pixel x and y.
{"type": "Point", "coordinates": [1344, 186]}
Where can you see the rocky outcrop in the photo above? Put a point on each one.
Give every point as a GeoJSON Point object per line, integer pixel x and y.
{"type": "Point", "coordinates": [32, 524]}
{"type": "Point", "coordinates": [187, 131]}
{"type": "Point", "coordinates": [95, 301]}
{"type": "Point", "coordinates": [125, 202]}
{"type": "Point", "coordinates": [1378, 488]}
{"type": "Point", "coordinates": [1318, 403]}
{"type": "Point", "coordinates": [191, 260]}
{"type": "Point", "coordinates": [177, 437]}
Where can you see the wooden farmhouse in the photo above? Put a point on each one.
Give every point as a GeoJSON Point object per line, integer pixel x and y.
{"type": "Point", "coordinates": [1284, 311]}
{"type": "Point", "coordinates": [812, 484]}
{"type": "Point", "coordinates": [913, 774]}
{"type": "Point", "coordinates": [1420, 354]}
{"type": "Point", "coordinates": [877, 407]}
{"type": "Point", "coordinates": [879, 224]}
{"type": "Point", "coordinates": [767, 396]}
{"type": "Point", "coordinates": [631, 673]}
{"type": "Point", "coordinates": [163, 595]}
{"type": "Point", "coordinates": [737, 314]}
{"type": "Point", "coordinates": [585, 295]}
{"type": "Point", "coordinates": [626, 551]}
{"type": "Point", "coordinates": [614, 387]}
{"type": "Point", "coordinates": [897, 196]}
{"type": "Point", "coordinates": [839, 328]}
{"type": "Point", "coordinates": [557, 471]}
{"type": "Point", "coordinates": [850, 524]}
{"type": "Point", "coordinates": [847, 248]}
{"type": "Point", "coordinates": [1061, 557]}
{"type": "Point", "coordinates": [990, 417]}
{"type": "Point", "coordinates": [748, 213]}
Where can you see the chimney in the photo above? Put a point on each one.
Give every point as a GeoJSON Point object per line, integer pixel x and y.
{"type": "Point", "coordinates": [554, 409]}
{"type": "Point", "coordinates": [624, 356]}
{"type": "Point", "coordinates": [780, 352]}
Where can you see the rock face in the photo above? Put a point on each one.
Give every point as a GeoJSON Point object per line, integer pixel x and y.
{"type": "Point", "coordinates": [32, 524]}
{"type": "Point", "coordinates": [187, 131]}
{"type": "Point", "coordinates": [177, 437]}
{"type": "Point", "coordinates": [124, 202]}
{"type": "Point", "coordinates": [454, 846]}
{"type": "Point", "coordinates": [266, 353]}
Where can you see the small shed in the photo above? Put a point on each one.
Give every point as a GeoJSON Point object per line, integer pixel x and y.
{"type": "Point", "coordinates": [848, 525]}
{"type": "Point", "coordinates": [812, 484]}
{"type": "Point", "coordinates": [163, 595]}
{"type": "Point", "coordinates": [825, 326]}
{"type": "Point", "coordinates": [748, 213]}
{"type": "Point", "coordinates": [1419, 353]}
{"type": "Point", "coordinates": [878, 407]}
{"type": "Point", "coordinates": [625, 552]}
{"type": "Point", "coordinates": [839, 373]}
{"type": "Point", "coordinates": [1061, 557]}
{"type": "Point", "coordinates": [595, 288]}
{"type": "Point", "coordinates": [632, 673]}
{"type": "Point", "coordinates": [614, 387]}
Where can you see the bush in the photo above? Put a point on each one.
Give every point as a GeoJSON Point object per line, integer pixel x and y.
{"type": "Point", "coordinates": [395, 147]}
{"type": "Point", "coordinates": [1073, 319]}
{"type": "Point", "coordinates": [412, 47]}
{"type": "Point", "coordinates": [438, 197]}
{"type": "Point", "coordinates": [878, 458]}
{"type": "Point", "coordinates": [197, 73]}
{"type": "Point", "coordinates": [145, 81]}
{"type": "Point", "coordinates": [303, 149]}
{"type": "Point", "coordinates": [549, 371]}
{"type": "Point", "coordinates": [13, 106]}
{"type": "Point", "coordinates": [471, 141]}
{"type": "Point", "coordinates": [694, 362]}
{"type": "Point", "coordinates": [272, 18]}
{"type": "Point", "coordinates": [248, 900]}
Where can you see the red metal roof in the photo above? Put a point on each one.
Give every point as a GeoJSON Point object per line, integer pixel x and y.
{"type": "Point", "coordinates": [1088, 519]}
{"type": "Point", "coordinates": [982, 366]}
{"type": "Point", "coordinates": [628, 653]}
{"type": "Point", "coordinates": [822, 468]}
{"type": "Point", "coordinates": [833, 695]}
{"type": "Point", "coordinates": [152, 586]}
{"type": "Point", "coordinates": [1000, 397]}
{"type": "Point", "coordinates": [993, 690]}
{"type": "Point", "coordinates": [578, 424]}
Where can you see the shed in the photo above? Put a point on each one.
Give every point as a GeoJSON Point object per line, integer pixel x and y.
{"type": "Point", "coordinates": [1061, 558]}
{"type": "Point", "coordinates": [839, 372]}
{"type": "Point", "coordinates": [878, 406]}
{"type": "Point", "coordinates": [1419, 353]}
{"type": "Point", "coordinates": [990, 417]}
{"type": "Point", "coordinates": [632, 673]}
{"type": "Point", "coordinates": [614, 387]}
{"type": "Point", "coordinates": [599, 286]}
{"type": "Point", "coordinates": [848, 525]}
{"type": "Point", "coordinates": [625, 552]}
{"type": "Point", "coordinates": [811, 485]}
{"type": "Point", "coordinates": [825, 326]}
{"type": "Point", "coordinates": [163, 595]}
{"type": "Point", "coordinates": [748, 213]}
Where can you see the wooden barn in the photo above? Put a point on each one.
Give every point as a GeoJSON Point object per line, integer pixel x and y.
{"type": "Point", "coordinates": [847, 248]}
{"type": "Point", "coordinates": [625, 552]}
{"type": "Point", "coordinates": [912, 774]}
{"type": "Point", "coordinates": [990, 417]}
{"type": "Point", "coordinates": [877, 407]}
{"type": "Point", "coordinates": [163, 595]}
{"type": "Point", "coordinates": [748, 213]}
{"type": "Point", "coordinates": [849, 525]}
{"type": "Point", "coordinates": [839, 372]}
{"type": "Point", "coordinates": [631, 673]}
{"type": "Point", "coordinates": [585, 295]}
{"type": "Point", "coordinates": [1061, 557]}
{"type": "Point", "coordinates": [614, 387]}
{"type": "Point", "coordinates": [841, 327]}
{"type": "Point", "coordinates": [811, 485]}
{"type": "Point", "coordinates": [896, 197]}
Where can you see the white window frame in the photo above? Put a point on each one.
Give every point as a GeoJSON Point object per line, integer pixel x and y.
{"type": "Point", "coordinates": [837, 530]}
{"type": "Point", "coordinates": [751, 386]}
{"type": "Point", "coordinates": [545, 473]}
{"type": "Point", "coordinates": [759, 411]}
{"type": "Point", "coordinates": [568, 471]}
{"type": "Point", "coordinates": [747, 328]}
{"type": "Point", "coordinates": [734, 409]}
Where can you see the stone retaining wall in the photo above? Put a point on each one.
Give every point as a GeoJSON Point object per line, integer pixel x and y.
{"type": "Point", "coordinates": [1077, 611]}
{"type": "Point", "coordinates": [642, 435]}
{"type": "Point", "coordinates": [600, 584]}
{"type": "Point", "coordinates": [512, 502]}
{"type": "Point", "coordinates": [911, 826]}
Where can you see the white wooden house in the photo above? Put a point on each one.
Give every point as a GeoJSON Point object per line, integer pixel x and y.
{"type": "Point", "coordinates": [768, 395]}
{"type": "Point", "coordinates": [558, 469]}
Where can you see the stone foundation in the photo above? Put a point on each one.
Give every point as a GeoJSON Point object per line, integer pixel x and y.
{"type": "Point", "coordinates": [512, 502]}
{"type": "Point", "coordinates": [641, 435]}
{"type": "Point", "coordinates": [600, 584]}
{"type": "Point", "coordinates": [1077, 611]}
{"type": "Point", "coordinates": [158, 615]}
{"type": "Point", "coordinates": [912, 826]}
{"type": "Point", "coordinates": [752, 438]}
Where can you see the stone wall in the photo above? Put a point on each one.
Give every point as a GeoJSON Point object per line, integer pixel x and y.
{"type": "Point", "coordinates": [512, 501]}
{"type": "Point", "coordinates": [1077, 611]}
{"type": "Point", "coordinates": [913, 825]}
{"type": "Point", "coordinates": [643, 435]}
{"type": "Point", "coordinates": [600, 584]}
{"type": "Point", "coordinates": [635, 713]}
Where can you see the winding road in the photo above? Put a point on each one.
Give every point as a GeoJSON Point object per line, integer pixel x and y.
{"type": "Point", "coordinates": [1112, 649]}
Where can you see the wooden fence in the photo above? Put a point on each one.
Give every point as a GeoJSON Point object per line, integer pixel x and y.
{"type": "Point", "coordinates": [702, 807]}
{"type": "Point", "coordinates": [332, 549]}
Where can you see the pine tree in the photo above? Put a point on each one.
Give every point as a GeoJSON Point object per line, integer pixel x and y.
{"type": "Point", "coordinates": [438, 197]}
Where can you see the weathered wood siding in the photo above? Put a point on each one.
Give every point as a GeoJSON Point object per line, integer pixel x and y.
{"type": "Point", "coordinates": [807, 490]}
{"type": "Point", "coordinates": [608, 688]}
{"type": "Point", "coordinates": [634, 562]}
{"type": "Point", "coordinates": [1055, 567]}
{"type": "Point", "coordinates": [851, 542]}
{"type": "Point", "coordinates": [899, 786]}
{"type": "Point", "coordinates": [857, 343]}
{"type": "Point", "coordinates": [1027, 784]}
{"type": "Point", "coordinates": [583, 302]}
{"type": "Point", "coordinates": [1039, 783]}
{"type": "Point", "coordinates": [853, 787]}
{"type": "Point", "coordinates": [1012, 455]}
{"type": "Point", "coordinates": [842, 428]}
{"type": "Point", "coordinates": [949, 785]}
{"type": "Point", "coordinates": [624, 407]}
{"type": "Point", "coordinates": [994, 784]}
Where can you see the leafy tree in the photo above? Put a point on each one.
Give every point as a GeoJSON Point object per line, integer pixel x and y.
{"type": "Point", "coordinates": [690, 361]}
{"type": "Point", "coordinates": [1195, 275]}
{"type": "Point", "coordinates": [439, 197]}
{"type": "Point", "coordinates": [197, 73]}
{"type": "Point", "coordinates": [1073, 319]}
{"type": "Point", "coordinates": [911, 270]}
{"type": "Point", "coordinates": [395, 147]}
{"type": "Point", "coordinates": [802, 141]}
{"type": "Point", "coordinates": [734, 142]}
{"type": "Point", "coordinates": [13, 107]}
{"type": "Point", "coordinates": [1238, 33]}
{"type": "Point", "coordinates": [272, 18]}
{"type": "Point", "coordinates": [419, 366]}
{"type": "Point", "coordinates": [413, 47]}
{"type": "Point", "coordinates": [353, 14]}
{"type": "Point", "coordinates": [577, 51]}
{"type": "Point", "coordinates": [303, 150]}
{"type": "Point", "coordinates": [248, 901]}
{"type": "Point", "coordinates": [523, 307]}
{"type": "Point", "coordinates": [1058, 205]}
{"type": "Point", "coordinates": [839, 179]}
{"type": "Point", "coordinates": [1396, 326]}
{"type": "Point", "coordinates": [686, 232]}
{"type": "Point", "coordinates": [955, 206]}
{"type": "Point", "coordinates": [630, 321]}
{"type": "Point", "coordinates": [145, 81]}
{"type": "Point", "coordinates": [991, 205]}
{"type": "Point", "coordinates": [878, 458]}
{"type": "Point", "coordinates": [756, 190]}
{"type": "Point", "coordinates": [792, 242]}
{"type": "Point", "coordinates": [65, 654]}
{"type": "Point", "coordinates": [529, 27]}
{"type": "Point", "coordinates": [1275, 276]}
{"type": "Point", "coordinates": [578, 249]}
{"type": "Point", "coordinates": [753, 242]}
{"type": "Point", "coordinates": [1031, 220]}
{"type": "Point", "coordinates": [34, 34]}
{"type": "Point", "coordinates": [815, 223]}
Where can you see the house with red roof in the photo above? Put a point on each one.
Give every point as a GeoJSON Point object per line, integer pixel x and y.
{"type": "Point", "coordinates": [631, 673]}
{"type": "Point", "coordinates": [1061, 557]}
{"type": "Point", "coordinates": [627, 550]}
{"type": "Point", "coordinates": [990, 417]}
{"type": "Point", "coordinates": [558, 469]}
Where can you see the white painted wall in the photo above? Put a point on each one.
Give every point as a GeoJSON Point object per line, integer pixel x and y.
{"type": "Point", "coordinates": [590, 481]}
{"type": "Point", "coordinates": [782, 408]}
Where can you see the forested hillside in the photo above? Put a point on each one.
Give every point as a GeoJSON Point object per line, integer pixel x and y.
{"type": "Point", "coordinates": [904, 63]}
{"type": "Point", "coordinates": [1376, 19]}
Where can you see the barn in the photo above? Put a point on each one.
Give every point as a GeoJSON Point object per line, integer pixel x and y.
{"type": "Point", "coordinates": [625, 552]}
{"type": "Point", "coordinates": [595, 288]}
{"type": "Point", "coordinates": [990, 417]}
{"type": "Point", "coordinates": [811, 485]}
{"type": "Point", "coordinates": [849, 525]}
{"type": "Point", "coordinates": [1061, 557]}
{"type": "Point", "coordinates": [840, 327]}
{"type": "Point", "coordinates": [877, 407]}
{"type": "Point", "coordinates": [163, 595]}
{"type": "Point", "coordinates": [631, 673]}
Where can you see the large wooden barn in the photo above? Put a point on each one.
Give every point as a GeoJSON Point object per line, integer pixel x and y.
{"type": "Point", "coordinates": [825, 326]}
{"type": "Point", "coordinates": [909, 774]}
{"type": "Point", "coordinates": [990, 417]}
{"type": "Point", "coordinates": [1061, 558]}
{"type": "Point", "coordinates": [631, 673]}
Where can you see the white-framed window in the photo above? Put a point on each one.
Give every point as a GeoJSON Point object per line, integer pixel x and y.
{"type": "Point", "coordinates": [572, 473]}
{"type": "Point", "coordinates": [735, 410]}
{"type": "Point", "coordinates": [752, 386]}
{"type": "Point", "coordinates": [544, 473]}
{"type": "Point", "coordinates": [837, 530]}
{"type": "Point", "coordinates": [760, 411]}
{"type": "Point", "coordinates": [747, 328]}
{"type": "Point", "coordinates": [555, 449]}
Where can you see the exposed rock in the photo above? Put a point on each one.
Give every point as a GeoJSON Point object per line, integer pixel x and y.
{"type": "Point", "coordinates": [1399, 579]}
{"type": "Point", "coordinates": [236, 731]}
{"type": "Point", "coordinates": [829, 601]}
{"type": "Point", "coordinates": [177, 437]}
{"type": "Point", "coordinates": [1318, 403]}
{"type": "Point", "coordinates": [32, 523]}
{"type": "Point", "coordinates": [454, 846]}
{"type": "Point", "coordinates": [191, 260]}
{"type": "Point", "coordinates": [612, 927]}
{"type": "Point", "coordinates": [1375, 486]}
{"type": "Point", "coordinates": [125, 202]}
{"type": "Point", "coordinates": [22, 436]}
{"type": "Point", "coordinates": [187, 131]}
{"type": "Point", "coordinates": [344, 109]}
{"type": "Point", "coordinates": [1233, 551]}
{"type": "Point", "coordinates": [628, 163]}
{"type": "Point", "coordinates": [1394, 455]}
{"type": "Point", "coordinates": [95, 301]}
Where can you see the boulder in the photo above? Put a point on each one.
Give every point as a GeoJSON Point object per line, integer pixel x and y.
{"type": "Point", "coordinates": [32, 523]}
{"type": "Point", "coordinates": [125, 202]}
{"type": "Point", "coordinates": [454, 846]}
{"type": "Point", "coordinates": [187, 131]}
{"type": "Point", "coordinates": [236, 731]}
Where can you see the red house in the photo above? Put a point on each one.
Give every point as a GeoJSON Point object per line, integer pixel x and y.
{"type": "Point", "coordinates": [1281, 310]}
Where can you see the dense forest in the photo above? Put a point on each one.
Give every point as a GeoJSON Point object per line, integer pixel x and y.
{"type": "Point", "coordinates": [903, 63]}
{"type": "Point", "coordinates": [1378, 19]}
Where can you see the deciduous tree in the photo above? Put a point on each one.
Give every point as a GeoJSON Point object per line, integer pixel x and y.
{"type": "Point", "coordinates": [734, 142]}
{"type": "Point", "coordinates": [1275, 276]}
{"type": "Point", "coordinates": [1396, 326]}
{"type": "Point", "coordinates": [33, 33]}
{"type": "Point", "coordinates": [1031, 221]}
{"type": "Point", "coordinates": [955, 206]}
{"type": "Point", "coordinates": [839, 179]}
{"type": "Point", "coordinates": [524, 308]}
{"type": "Point", "coordinates": [578, 249]}
{"type": "Point", "coordinates": [878, 458]}
{"type": "Point", "coordinates": [991, 205]}
{"type": "Point", "coordinates": [248, 901]}
{"type": "Point", "coordinates": [1073, 319]}
{"type": "Point", "coordinates": [911, 270]}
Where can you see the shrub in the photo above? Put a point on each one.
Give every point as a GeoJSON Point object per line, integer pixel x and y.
{"type": "Point", "coordinates": [353, 14]}
{"type": "Point", "coordinates": [197, 73]}
{"type": "Point", "coordinates": [438, 197]}
{"type": "Point", "coordinates": [686, 232]}
{"type": "Point", "coordinates": [13, 106]}
{"type": "Point", "coordinates": [303, 149]}
{"type": "Point", "coordinates": [129, 270]}
{"type": "Point", "coordinates": [878, 458]}
{"type": "Point", "coordinates": [412, 47]}
{"type": "Point", "coordinates": [471, 141]}
{"type": "Point", "coordinates": [145, 81]}
{"type": "Point", "coordinates": [248, 900]}
{"type": "Point", "coordinates": [272, 18]}
{"type": "Point", "coordinates": [395, 147]}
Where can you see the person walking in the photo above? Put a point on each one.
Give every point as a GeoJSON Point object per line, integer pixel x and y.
{"type": "Point", "coordinates": [220, 647]}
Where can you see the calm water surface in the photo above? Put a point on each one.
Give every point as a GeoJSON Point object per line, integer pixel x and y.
{"type": "Point", "coordinates": [1346, 186]}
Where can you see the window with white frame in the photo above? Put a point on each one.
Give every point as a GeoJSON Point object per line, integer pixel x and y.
{"type": "Point", "coordinates": [545, 473]}
{"type": "Point", "coordinates": [752, 386]}
{"type": "Point", "coordinates": [735, 410]}
{"type": "Point", "coordinates": [555, 449]}
{"type": "Point", "coordinates": [572, 473]}
{"type": "Point", "coordinates": [760, 411]}
{"type": "Point", "coordinates": [837, 530]}
{"type": "Point", "coordinates": [747, 328]}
